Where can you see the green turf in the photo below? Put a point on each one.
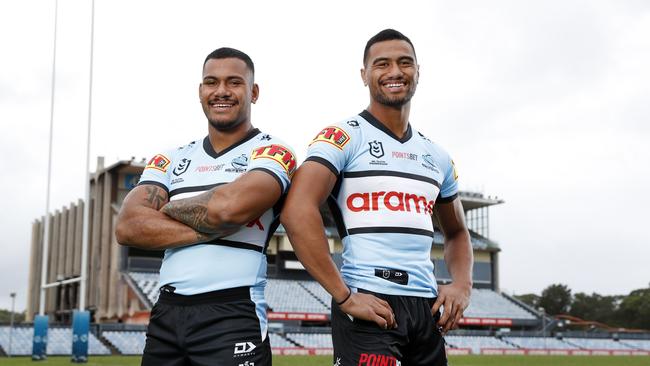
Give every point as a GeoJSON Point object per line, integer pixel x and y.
{"type": "Point", "coordinates": [327, 361]}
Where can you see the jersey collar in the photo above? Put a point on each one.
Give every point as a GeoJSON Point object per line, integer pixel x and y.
{"type": "Point", "coordinates": [377, 124]}
{"type": "Point", "coordinates": [207, 146]}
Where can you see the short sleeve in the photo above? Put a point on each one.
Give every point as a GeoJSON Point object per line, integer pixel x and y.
{"type": "Point", "coordinates": [276, 159]}
{"type": "Point", "coordinates": [331, 147]}
{"type": "Point", "coordinates": [449, 188]}
{"type": "Point", "coordinates": [157, 171]}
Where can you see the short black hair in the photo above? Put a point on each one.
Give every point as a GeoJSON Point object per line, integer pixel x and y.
{"type": "Point", "coordinates": [227, 52]}
{"type": "Point", "coordinates": [386, 35]}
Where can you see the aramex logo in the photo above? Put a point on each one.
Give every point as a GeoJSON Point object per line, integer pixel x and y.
{"type": "Point", "coordinates": [391, 200]}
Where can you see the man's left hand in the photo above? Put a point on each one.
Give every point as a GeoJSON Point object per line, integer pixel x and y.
{"type": "Point", "coordinates": [455, 299]}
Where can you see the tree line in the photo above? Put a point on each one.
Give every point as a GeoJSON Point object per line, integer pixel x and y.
{"type": "Point", "coordinates": [630, 311]}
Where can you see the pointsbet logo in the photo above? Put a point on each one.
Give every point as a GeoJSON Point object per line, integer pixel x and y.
{"type": "Point", "coordinates": [390, 200]}
{"type": "Point", "coordinates": [371, 359]}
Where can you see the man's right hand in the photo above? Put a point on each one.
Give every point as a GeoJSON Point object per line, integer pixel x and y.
{"type": "Point", "coordinates": [371, 308]}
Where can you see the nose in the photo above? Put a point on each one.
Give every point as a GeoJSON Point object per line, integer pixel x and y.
{"type": "Point", "coordinates": [394, 70]}
{"type": "Point", "coordinates": [222, 90]}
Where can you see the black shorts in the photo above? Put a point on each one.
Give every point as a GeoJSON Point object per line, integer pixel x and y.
{"type": "Point", "coordinates": [219, 328]}
{"type": "Point", "coordinates": [415, 342]}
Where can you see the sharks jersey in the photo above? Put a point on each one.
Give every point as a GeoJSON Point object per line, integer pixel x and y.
{"type": "Point", "coordinates": [235, 260]}
{"type": "Point", "coordinates": [383, 202]}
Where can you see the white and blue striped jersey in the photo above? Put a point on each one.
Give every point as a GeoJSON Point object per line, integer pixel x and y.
{"type": "Point", "coordinates": [383, 202]}
{"type": "Point", "coordinates": [235, 260]}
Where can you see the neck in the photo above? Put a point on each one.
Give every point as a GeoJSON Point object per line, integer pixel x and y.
{"type": "Point", "coordinates": [221, 140]}
{"type": "Point", "coordinates": [396, 119]}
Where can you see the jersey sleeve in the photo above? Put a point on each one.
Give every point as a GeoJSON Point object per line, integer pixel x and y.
{"type": "Point", "coordinates": [157, 171]}
{"type": "Point", "coordinates": [332, 147]}
{"type": "Point", "coordinates": [449, 187]}
{"type": "Point", "coordinates": [276, 159]}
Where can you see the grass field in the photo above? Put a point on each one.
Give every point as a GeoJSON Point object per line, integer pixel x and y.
{"type": "Point", "coordinates": [327, 361]}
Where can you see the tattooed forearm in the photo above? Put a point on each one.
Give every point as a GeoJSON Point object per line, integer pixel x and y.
{"type": "Point", "coordinates": [154, 198]}
{"type": "Point", "coordinates": [193, 212]}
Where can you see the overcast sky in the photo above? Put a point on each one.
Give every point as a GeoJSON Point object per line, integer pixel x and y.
{"type": "Point", "coordinates": [545, 104]}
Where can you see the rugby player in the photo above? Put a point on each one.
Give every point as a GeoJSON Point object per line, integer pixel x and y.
{"type": "Point", "coordinates": [383, 181]}
{"type": "Point", "coordinates": [212, 205]}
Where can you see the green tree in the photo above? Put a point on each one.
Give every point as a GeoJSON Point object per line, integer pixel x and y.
{"type": "Point", "coordinates": [596, 307]}
{"type": "Point", "coordinates": [5, 317]}
{"type": "Point", "coordinates": [556, 299]}
{"type": "Point", "coordinates": [529, 299]}
{"type": "Point", "coordinates": [634, 311]}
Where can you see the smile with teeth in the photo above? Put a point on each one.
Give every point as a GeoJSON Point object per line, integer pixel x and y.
{"type": "Point", "coordinates": [221, 105]}
{"type": "Point", "coordinates": [394, 85]}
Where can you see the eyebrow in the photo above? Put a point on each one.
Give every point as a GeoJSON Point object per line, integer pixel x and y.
{"type": "Point", "coordinates": [233, 77]}
{"type": "Point", "coordinates": [401, 58]}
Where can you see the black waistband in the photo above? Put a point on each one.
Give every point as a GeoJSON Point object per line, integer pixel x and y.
{"type": "Point", "coordinates": [213, 297]}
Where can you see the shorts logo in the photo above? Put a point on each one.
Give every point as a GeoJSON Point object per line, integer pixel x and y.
{"type": "Point", "coordinates": [372, 359]}
{"type": "Point", "coordinates": [389, 200]}
{"type": "Point", "coordinates": [376, 149]}
{"type": "Point", "coordinates": [332, 135]}
{"type": "Point", "coordinates": [244, 347]}
{"type": "Point", "coordinates": [182, 167]}
{"type": "Point", "coordinates": [280, 154]}
{"type": "Point", "coordinates": [158, 162]}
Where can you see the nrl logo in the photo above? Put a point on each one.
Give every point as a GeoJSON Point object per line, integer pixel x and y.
{"type": "Point", "coordinates": [376, 149]}
{"type": "Point", "coordinates": [182, 167]}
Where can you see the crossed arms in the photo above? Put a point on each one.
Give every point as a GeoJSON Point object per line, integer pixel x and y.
{"type": "Point", "coordinates": [148, 220]}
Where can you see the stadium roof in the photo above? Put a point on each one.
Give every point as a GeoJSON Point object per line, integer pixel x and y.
{"type": "Point", "coordinates": [474, 200]}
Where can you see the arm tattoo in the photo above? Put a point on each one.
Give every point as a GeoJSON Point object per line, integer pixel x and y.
{"type": "Point", "coordinates": [193, 212]}
{"type": "Point", "coordinates": [155, 199]}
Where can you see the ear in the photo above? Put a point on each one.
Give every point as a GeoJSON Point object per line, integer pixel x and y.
{"type": "Point", "coordinates": [417, 74]}
{"type": "Point", "coordinates": [200, 87]}
{"type": "Point", "coordinates": [363, 76]}
{"type": "Point", "coordinates": [255, 93]}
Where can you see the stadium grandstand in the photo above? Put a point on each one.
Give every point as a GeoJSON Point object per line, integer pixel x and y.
{"type": "Point", "coordinates": [123, 286]}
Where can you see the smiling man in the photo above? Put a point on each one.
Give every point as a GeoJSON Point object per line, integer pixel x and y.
{"type": "Point", "coordinates": [212, 205]}
{"type": "Point", "coordinates": [383, 181]}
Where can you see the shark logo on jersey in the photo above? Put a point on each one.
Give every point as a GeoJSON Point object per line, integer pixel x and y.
{"type": "Point", "coordinates": [429, 163]}
{"type": "Point", "coordinates": [182, 167]}
{"type": "Point", "coordinates": [239, 163]}
{"type": "Point", "coordinates": [376, 149]}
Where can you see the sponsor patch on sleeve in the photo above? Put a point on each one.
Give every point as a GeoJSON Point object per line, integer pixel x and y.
{"type": "Point", "coordinates": [280, 154]}
{"type": "Point", "coordinates": [159, 162]}
{"type": "Point", "coordinates": [332, 135]}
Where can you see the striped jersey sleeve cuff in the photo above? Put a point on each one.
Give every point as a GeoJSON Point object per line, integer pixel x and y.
{"type": "Point", "coordinates": [322, 161]}
{"type": "Point", "coordinates": [275, 176]}
{"type": "Point", "coordinates": [154, 183]}
{"type": "Point", "coordinates": [447, 199]}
